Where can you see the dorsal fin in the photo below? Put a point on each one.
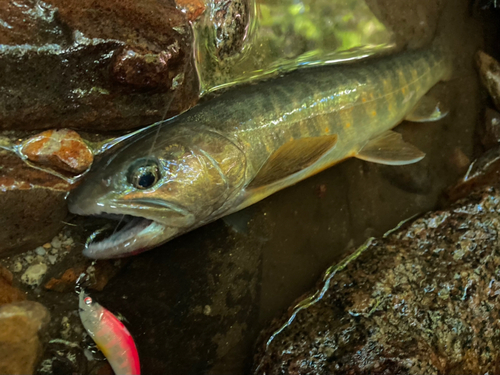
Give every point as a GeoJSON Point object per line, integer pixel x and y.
{"type": "Point", "coordinates": [390, 148]}
{"type": "Point", "coordinates": [293, 157]}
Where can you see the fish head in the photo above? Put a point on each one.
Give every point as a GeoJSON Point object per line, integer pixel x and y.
{"type": "Point", "coordinates": [165, 180]}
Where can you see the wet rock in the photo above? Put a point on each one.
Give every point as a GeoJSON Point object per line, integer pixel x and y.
{"type": "Point", "coordinates": [34, 274]}
{"type": "Point", "coordinates": [33, 205]}
{"type": "Point", "coordinates": [8, 293]}
{"type": "Point", "coordinates": [421, 300]}
{"type": "Point", "coordinates": [93, 64]}
{"type": "Point", "coordinates": [20, 346]}
{"type": "Point", "coordinates": [489, 71]}
{"type": "Point", "coordinates": [193, 8]}
{"type": "Point", "coordinates": [59, 149]}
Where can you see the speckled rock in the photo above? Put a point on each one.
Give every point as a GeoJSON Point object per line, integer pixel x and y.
{"type": "Point", "coordinates": [96, 64]}
{"type": "Point", "coordinates": [422, 300]}
{"type": "Point", "coordinates": [33, 205]}
{"type": "Point", "coordinates": [20, 346]}
{"type": "Point", "coordinates": [62, 149]}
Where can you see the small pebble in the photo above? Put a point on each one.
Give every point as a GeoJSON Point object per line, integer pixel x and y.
{"type": "Point", "coordinates": [52, 259]}
{"type": "Point", "coordinates": [29, 258]}
{"type": "Point", "coordinates": [34, 274]}
{"type": "Point", "coordinates": [47, 246]}
{"type": "Point", "coordinates": [17, 267]}
{"type": "Point", "coordinates": [68, 242]}
{"type": "Point", "coordinates": [40, 250]}
{"type": "Point", "coordinates": [207, 310]}
{"type": "Point", "coordinates": [56, 243]}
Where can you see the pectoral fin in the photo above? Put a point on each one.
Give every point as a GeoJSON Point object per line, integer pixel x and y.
{"type": "Point", "coordinates": [293, 157]}
{"type": "Point", "coordinates": [427, 109]}
{"type": "Point", "coordinates": [390, 148]}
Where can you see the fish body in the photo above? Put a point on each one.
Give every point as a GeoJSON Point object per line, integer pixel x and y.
{"type": "Point", "coordinates": [110, 335]}
{"type": "Point", "coordinates": [246, 144]}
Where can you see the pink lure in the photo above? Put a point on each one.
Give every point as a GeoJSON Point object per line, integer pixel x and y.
{"type": "Point", "coordinates": [111, 336]}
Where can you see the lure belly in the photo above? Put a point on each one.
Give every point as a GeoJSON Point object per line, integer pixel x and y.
{"type": "Point", "coordinates": [110, 335]}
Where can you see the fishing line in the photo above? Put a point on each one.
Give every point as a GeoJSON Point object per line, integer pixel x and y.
{"type": "Point", "coordinates": [169, 101]}
{"type": "Point", "coordinates": [167, 107]}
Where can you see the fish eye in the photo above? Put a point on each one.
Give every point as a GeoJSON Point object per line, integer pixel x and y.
{"type": "Point", "coordinates": [87, 300]}
{"type": "Point", "coordinates": [144, 174]}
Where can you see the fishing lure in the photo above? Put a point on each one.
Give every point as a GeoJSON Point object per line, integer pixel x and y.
{"type": "Point", "coordinates": [110, 335]}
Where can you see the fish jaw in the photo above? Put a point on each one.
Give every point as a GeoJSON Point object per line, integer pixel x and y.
{"type": "Point", "coordinates": [139, 234]}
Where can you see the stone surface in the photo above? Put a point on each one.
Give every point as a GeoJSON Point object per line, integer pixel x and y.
{"type": "Point", "coordinates": [93, 64]}
{"type": "Point", "coordinates": [20, 346]}
{"type": "Point", "coordinates": [60, 150]}
{"type": "Point", "coordinates": [33, 205]}
{"type": "Point", "coordinates": [8, 293]}
{"type": "Point", "coordinates": [424, 299]}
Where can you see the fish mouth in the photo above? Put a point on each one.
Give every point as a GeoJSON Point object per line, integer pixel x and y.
{"type": "Point", "coordinates": [138, 234]}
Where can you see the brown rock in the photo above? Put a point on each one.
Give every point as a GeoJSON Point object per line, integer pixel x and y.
{"type": "Point", "coordinates": [33, 205]}
{"type": "Point", "coordinates": [193, 8]}
{"type": "Point", "coordinates": [8, 293]}
{"type": "Point", "coordinates": [20, 346]}
{"type": "Point", "coordinates": [139, 68]}
{"type": "Point", "coordinates": [64, 64]}
{"type": "Point", "coordinates": [59, 149]}
{"type": "Point", "coordinates": [489, 71]}
{"type": "Point", "coordinates": [424, 299]}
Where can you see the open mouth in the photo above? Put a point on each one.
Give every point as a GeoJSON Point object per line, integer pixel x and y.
{"type": "Point", "coordinates": [131, 235]}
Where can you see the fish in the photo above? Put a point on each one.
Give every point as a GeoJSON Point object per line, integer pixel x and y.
{"type": "Point", "coordinates": [112, 338]}
{"type": "Point", "coordinates": [232, 151]}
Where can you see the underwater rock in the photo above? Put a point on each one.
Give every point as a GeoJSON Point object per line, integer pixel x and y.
{"type": "Point", "coordinates": [33, 205]}
{"type": "Point", "coordinates": [91, 64]}
{"type": "Point", "coordinates": [8, 293]}
{"type": "Point", "coordinates": [422, 299]}
{"type": "Point", "coordinates": [59, 149]}
{"type": "Point", "coordinates": [483, 171]}
{"type": "Point", "coordinates": [490, 134]}
{"type": "Point", "coordinates": [230, 20]}
{"type": "Point", "coordinates": [20, 346]}
{"type": "Point", "coordinates": [489, 71]}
